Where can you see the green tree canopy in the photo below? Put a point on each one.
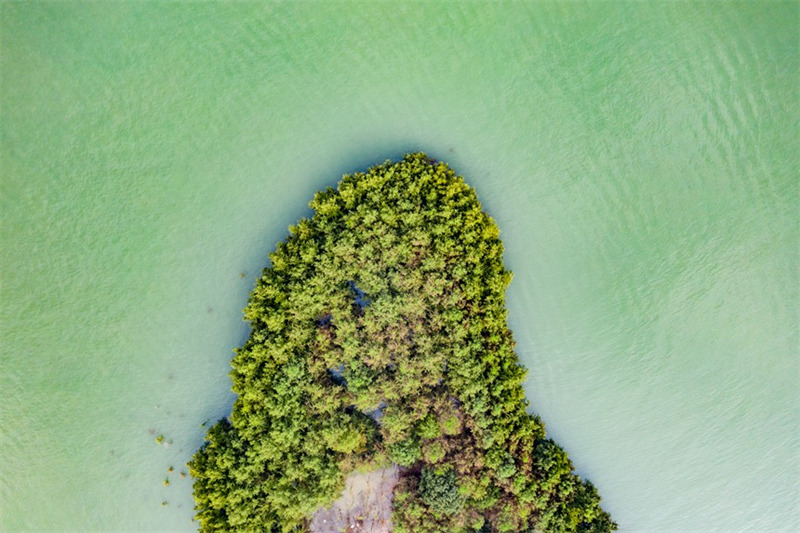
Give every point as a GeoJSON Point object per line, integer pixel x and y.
{"type": "Point", "coordinates": [378, 335]}
{"type": "Point", "coordinates": [439, 490]}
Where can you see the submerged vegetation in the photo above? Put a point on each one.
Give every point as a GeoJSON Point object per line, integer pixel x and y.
{"type": "Point", "coordinates": [379, 336]}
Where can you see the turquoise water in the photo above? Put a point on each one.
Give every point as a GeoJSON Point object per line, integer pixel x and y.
{"type": "Point", "coordinates": [641, 160]}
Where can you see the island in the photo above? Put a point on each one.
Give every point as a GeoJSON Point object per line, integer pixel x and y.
{"type": "Point", "coordinates": [379, 340]}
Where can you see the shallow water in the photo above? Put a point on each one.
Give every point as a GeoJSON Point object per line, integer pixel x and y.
{"type": "Point", "coordinates": [639, 158]}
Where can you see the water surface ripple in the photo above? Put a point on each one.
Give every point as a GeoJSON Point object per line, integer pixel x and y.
{"type": "Point", "coordinates": [640, 158]}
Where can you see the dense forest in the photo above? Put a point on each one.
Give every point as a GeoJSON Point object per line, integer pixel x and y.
{"type": "Point", "coordinates": [379, 336]}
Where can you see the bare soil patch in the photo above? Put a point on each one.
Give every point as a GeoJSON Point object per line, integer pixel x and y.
{"type": "Point", "coordinates": [365, 505]}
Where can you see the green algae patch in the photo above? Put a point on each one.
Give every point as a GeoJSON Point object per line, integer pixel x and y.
{"type": "Point", "coordinates": [379, 337]}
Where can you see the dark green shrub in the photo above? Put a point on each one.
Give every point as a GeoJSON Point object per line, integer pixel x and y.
{"type": "Point", "coordinates": [439, 490]}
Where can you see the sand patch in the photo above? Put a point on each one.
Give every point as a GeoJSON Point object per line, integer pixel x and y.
{"type": "Point", "coordinates": [365, 505]}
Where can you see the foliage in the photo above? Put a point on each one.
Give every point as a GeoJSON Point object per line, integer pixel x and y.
{"type": "Point", "coordinates": [439, 490]}
{"type": "Point", "coordinates": [379, 334]}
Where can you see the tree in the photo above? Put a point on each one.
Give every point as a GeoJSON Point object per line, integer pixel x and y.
{"type": "Point", "coordinates": [439, 490]}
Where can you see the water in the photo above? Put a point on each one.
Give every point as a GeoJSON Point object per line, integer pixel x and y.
{"type": "Point", "coordinates": [640, 159]}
